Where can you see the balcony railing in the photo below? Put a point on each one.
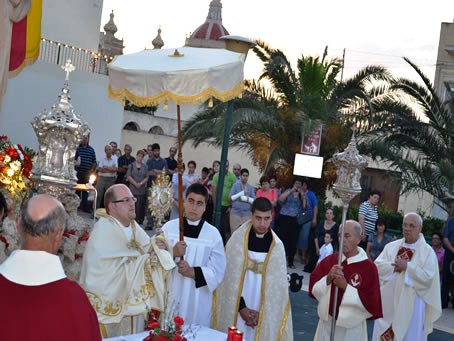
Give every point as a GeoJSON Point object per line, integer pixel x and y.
{"type": "Point", "coordinates": [54, 52]}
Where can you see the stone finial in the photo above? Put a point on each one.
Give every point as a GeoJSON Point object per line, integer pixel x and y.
{"type": "Point", "coordinates": [157, 42]}
{"type": "Point", "coordinates": [215, 11]}
{"type": "Point", "coordinates": [110, 27]}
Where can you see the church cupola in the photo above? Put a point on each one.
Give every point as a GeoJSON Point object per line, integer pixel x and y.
{"type": "Point", "coordinates": [109, 45]}
{"type": "Point", "coordinates": [157, 42]}
{"type": "Point", "coordinates": [207, 34]}
{"type": "Point", "coordinates": [110, 27]}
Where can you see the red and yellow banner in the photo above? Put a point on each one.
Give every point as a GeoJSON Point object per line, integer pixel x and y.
{"type": "Point", "coordinates": [25, 40]}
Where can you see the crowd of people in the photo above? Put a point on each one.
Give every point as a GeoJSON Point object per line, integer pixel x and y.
{"type": "Point", "coordinates": [234, 274]}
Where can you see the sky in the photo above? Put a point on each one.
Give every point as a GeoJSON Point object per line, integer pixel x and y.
{"type": "Point", "coordinates": [371, 32]}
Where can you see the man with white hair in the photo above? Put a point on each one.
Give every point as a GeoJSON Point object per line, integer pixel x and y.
{"type": "Point", "coordinates": [237, 171]}
{"type": "Point", "coordinates": [409, 284]}
{"type": "Point", "coordinates": [107, 174]}
{"type": "Point", "coordinates": [359, 295]}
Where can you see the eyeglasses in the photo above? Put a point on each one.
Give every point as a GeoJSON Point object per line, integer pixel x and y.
{"type": "Point", "coordinates": [128, 200]}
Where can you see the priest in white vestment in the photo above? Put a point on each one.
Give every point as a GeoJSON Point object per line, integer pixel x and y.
{"type": "Point", "coordinates": [409, 284]}
{"type": "Point", "coordinates": [124, 272]}
{"type": "Point", "coordinates": [254, 293]}
{"type": "Point", "coordinates": [201, 271]}
{"type": "Point", "coordinates": [358, 295]}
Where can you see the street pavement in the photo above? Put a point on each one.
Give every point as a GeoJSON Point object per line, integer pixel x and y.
{"type": "Point", "coordinates": [305, 318]}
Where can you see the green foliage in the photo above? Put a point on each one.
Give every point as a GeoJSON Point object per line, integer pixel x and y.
{"type": "Point", "coordinates": [269, 122]}
{"type": "Point", "coordinates": [148, 110]}
{"type": "Point", "coordinates": [412, 129]}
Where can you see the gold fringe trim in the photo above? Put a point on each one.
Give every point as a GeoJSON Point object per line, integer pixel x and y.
{"type": "Point", "coordinates": [284, 320]}
{"type": "Point", "coordinates": [262, 291]}
{"type": "Point", "coordinates": [124, 94]}
{"type": "Point", "coordinates": [26, 62]}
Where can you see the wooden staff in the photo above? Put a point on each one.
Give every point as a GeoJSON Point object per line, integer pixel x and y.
{"type": "Point", "coordinates": [180, 176]}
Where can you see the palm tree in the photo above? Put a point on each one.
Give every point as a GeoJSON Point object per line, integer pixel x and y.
{"type": "Point", "coordinates": [269, 121]}
{"type": "Point", "coordinates": [412, 129]}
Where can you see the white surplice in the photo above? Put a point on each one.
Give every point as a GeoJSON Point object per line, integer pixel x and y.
{"type": "Point", "coordinates": [206, 252]}
{"type": "Point", "coordinates": [124, 272]}
{"type": "Point", "coordinates": [416, 290]}
{"type": "Point", "coordinates": [251, 295]}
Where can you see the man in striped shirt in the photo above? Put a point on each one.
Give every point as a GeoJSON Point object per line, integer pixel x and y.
{"type": "Point", "coordinates": [85, 165]}
{"type": "Point", "coordinates": [367, 217]}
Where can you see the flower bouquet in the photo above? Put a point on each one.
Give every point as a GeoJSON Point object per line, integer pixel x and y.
{"type": "Point", "coordinates": [173, 331]}
{"type": "Point", "coordinates": [15, 168]}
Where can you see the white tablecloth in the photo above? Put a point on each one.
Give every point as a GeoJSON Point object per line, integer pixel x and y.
{"type": "Point", "coordinates": [192, 333]}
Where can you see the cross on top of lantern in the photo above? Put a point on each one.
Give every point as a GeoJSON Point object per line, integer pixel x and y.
{"type": "Point", "coordinates": [349, 165]}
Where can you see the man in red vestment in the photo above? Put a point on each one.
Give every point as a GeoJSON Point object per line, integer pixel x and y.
{"type": "Point", "coordinates": [359, 290]}
{"type": "Point", "coordinates": [38, 302]}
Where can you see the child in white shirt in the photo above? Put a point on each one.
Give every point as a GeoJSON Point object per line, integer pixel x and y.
{"type": "Point", "coordinates": [327, 248]}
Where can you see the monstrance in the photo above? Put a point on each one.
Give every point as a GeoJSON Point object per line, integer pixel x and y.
{"type": "Point", "coordinates": [161, 198]}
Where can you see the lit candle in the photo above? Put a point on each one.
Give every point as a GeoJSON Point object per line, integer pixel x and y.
{"type": "Point", "coordinates": [238, 335]}
{"type": "Point", "coordinates": [230, 333]}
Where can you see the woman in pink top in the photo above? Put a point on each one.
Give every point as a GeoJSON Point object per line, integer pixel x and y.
{"type": "Point", "coordinates": [267, 192]}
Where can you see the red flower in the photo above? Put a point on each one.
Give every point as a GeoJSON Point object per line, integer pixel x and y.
{"type": "Point", "coordinates": [153, 325]}
{"type": "Point", "coordinates": [178, 337]}
{"type": "Point", "coordinates": [11, 151]}
{"type": "Point", "coordinates": [69, 233]}
{"type": "Point", "coordinates": [178, 321]}
{"type": "Point", "coordinates": [83, 237]}
{"type": "Point", "coordinates": [3, 239]}
{"type": "Point", "coordinates": [4, 137]}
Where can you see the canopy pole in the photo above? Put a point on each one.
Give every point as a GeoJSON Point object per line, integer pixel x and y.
{"type": "Point", "coordinates": [180, 176]}
{"type": "Point", "coordinates": [224, 152]}
{"type": "Point", "coordinates": [339, 262]}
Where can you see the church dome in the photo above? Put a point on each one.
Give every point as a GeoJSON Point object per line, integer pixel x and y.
{"type": "Point", "coordinates": [207, 34]}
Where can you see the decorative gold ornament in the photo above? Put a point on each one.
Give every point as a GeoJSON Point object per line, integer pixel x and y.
{"type": "Point", "coordinates": [176, 54]}
{"type": "Point", "coordinates": [160, 197]}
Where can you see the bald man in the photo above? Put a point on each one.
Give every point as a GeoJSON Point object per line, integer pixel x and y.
{"type": "Point", "coordinates": [359, 295]}
{"type": "Point", "coordinates": [124, 271]}
{"type": "Point", "coordinates": [38, 301]}
{"type": "Point", "coordinates": [409, 284]}
{"type": "Point", "coordinates": [107, 174]}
